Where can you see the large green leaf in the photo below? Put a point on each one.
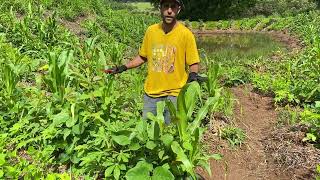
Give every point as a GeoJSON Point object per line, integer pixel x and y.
{"type": "Point", "coordinates": [116, 172]}
{"type": "Point", "coordinates": [154, 130]}
{"type": "Point", "coordinates": [191, 96]}
{"type": "Point", "coordinates": [76, 129]}
{"type": "Point", "coordinates": [205, 164]}
{"type": "Point", "coordinates": [167, 139]}
{"type": "Point", "coordinates": [160, 109]}
{"type": "Point", "coordinates": [182, 118]}
{"type": "Point", "coordinates": [202, 113]}
{"type": "Point", "coordinates": [151, 145]}
{"type": "Point", "coordinates": [160, 173]}
{"type": "Point", "coordinates": [140, 171]}
{"type": "Point", "coordinates": [172, 110]}
{"type": "Point", "coordinates": [108, 171]}
{"type": "Point", "coordinates": [74, 117]}
{"type": "Point", "coordinates": [182, 157]}
{"type": "Point", "coordinates": [2, 159]}
{"type": "Point", "coordinates": [121, 140]}
{"type": "Point", "coordinates": [60, 118]}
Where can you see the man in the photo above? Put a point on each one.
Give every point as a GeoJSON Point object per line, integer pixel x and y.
{"type": "Point", "coordinates": [168, 47]}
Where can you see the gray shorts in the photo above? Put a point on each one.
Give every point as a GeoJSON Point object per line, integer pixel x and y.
{"type": "Point", "coordinates": [150, 105]}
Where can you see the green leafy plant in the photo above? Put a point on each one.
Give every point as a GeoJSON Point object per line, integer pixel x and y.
{"type": "Point", "coordinates": [234, 135]}
{"type": "Point", "coordinates": [58, 77]}
{"type": "Point", "coordinates": [188, 150]}
{"type": "Point", "coordinates": [311, 117]}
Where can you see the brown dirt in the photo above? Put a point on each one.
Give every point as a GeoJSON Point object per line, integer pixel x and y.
{"type": "Point", "coordinates": [75, 26]}
{"type": "Point", "coordinates": [256, 158]}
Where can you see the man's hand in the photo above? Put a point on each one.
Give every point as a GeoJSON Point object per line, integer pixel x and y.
{"type": "Point", "coordinates": [193, 76]}
{"type": "Point", "coordinates": [116, 70]}
{"type": "Point", "coordinates": [136, 62]}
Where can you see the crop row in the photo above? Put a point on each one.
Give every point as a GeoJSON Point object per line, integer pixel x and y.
{"type": "Point", "coordinates": [62, 117]}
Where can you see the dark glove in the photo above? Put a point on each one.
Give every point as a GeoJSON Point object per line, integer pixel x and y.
{"type": "Point", "coordinates": [116, 70]}
{"type": "Point", "coordinates": [193, 76]}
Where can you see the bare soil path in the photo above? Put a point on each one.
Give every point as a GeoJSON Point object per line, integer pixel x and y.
{"type": "Point", "coordinates": [256, 115]}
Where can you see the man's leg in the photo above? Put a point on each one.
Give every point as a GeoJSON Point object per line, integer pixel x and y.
{"type": "Point", "coordinates": [166, 111]}
{"type": "Point", "coordinates": [150, 105]}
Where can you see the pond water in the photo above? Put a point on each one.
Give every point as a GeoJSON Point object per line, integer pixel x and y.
{"type": "Point", "coordinates": [241, 55]}
{"type": "Point", "coordinates": [239, 45]}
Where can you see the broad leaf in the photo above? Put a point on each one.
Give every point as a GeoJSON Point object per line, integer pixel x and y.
{"type": "Point", "coordinates": [161, 173]}
{"type": "Point", "coordinates": [121, 140]}
{"type": "Point", "coordinates": [116, 172]}
{"type": "Point", "coordinates": [2, 159]}
{"type": "Point", "coordinates": [140, 171]}
{"type": "Point", "coordinates": [167, 139]}
{"type": "Point", "coordinates": [108, 171]}
{"type": "Point", "coordinates": [202, 113]}
{"type": "Point", "coordinates": [151, 145]}
{"type": "Point", "coordinates": [60, 118]}
{"type": "Point", "coordinates": [182, 157]}
{"type": "Point", "coordinates": [191, 96]}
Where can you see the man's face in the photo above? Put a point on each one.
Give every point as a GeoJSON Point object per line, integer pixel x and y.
{"type": "Point", "coordinates": [169, 10]}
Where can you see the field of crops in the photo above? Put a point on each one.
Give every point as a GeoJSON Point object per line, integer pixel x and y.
{"type": "Point", "coordinates": [62, 117]}
{"type": "Point", "coordinates": [295, 80]}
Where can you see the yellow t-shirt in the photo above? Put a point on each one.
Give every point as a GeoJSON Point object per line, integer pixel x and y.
{"type": "Point", "coordinates": [167, 56]}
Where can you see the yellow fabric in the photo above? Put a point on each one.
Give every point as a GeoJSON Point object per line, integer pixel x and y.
{"type": "Point", "coordinates": [168, 54]}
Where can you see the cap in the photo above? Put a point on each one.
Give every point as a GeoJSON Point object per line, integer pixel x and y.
{"type": "Point", "coordinates": [177, 1]}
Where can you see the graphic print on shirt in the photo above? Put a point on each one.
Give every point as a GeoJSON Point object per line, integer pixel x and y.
{"type": "Point", "coordinates": [163, 58]}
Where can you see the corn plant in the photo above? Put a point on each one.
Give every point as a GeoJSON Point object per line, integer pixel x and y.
{"type": "Point", "coordinates": [12, 65]}
{"type": "Point", "coordinates": [188, 149]}
{"type": "Point", "coordinates": [58, 77]}
{"type": "Point", "coordinates": [116, 53]}
{"type": "Point", "coordinates": [213, 79]}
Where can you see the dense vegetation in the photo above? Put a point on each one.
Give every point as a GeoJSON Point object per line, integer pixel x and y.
{"type": "Point", "coordinates": [61, 116]}
{"type": "Point", "coordinates": [217, 10]}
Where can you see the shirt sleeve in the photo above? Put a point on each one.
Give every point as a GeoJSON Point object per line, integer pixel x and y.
{"type": "Point", "coordinates": [192, 55]}
{"type": "Point", "coordinates": [144, 46]}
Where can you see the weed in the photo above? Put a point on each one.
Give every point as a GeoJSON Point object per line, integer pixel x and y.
{"type": "Point", "coordinates": [234, 135]}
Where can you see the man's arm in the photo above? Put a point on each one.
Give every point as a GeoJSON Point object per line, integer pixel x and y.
{"type": "Point", "coordinates": [194, 68]}
{"type": "Point", "coordinates": [136, 62]}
